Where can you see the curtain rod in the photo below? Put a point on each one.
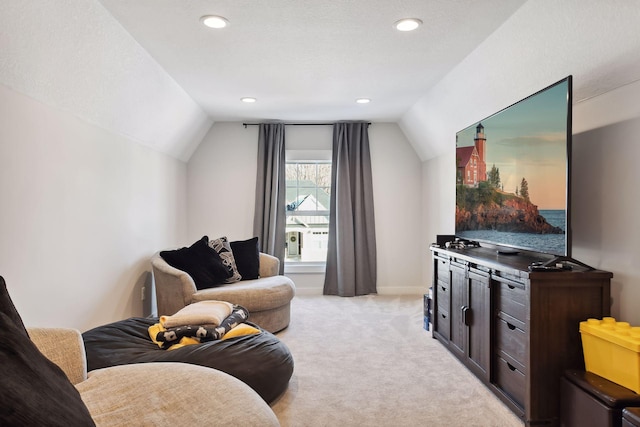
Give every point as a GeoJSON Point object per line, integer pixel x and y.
{"type": "Point", "coordinates": [297, 124]}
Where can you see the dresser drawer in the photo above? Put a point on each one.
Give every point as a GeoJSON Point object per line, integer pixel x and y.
{"type": "Point", "coordinates": [511, 341]}
{"type": "Point", "coordinates": [442, 267]}
{"type": "Point", "coordinates": [510, 380]}
{"type": "Point", "coordinates": [512, 299]}
{"type": "Point", "coordinates": [443, 323]}
{"type": "Point", "coordinates": [443, 295]}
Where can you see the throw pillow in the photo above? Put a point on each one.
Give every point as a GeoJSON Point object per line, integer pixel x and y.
{"type": "Point", "coordinates": [7, 307]}
{"type": "Point", "coordinates": [34, 391]}
{"type": "Point", "coordinates": [199, 261]}
{"type": "Point", "coordinates": [223, 248]}
{"type": "Point", "coordinates": [247, 256]}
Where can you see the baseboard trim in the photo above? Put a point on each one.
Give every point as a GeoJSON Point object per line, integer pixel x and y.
{"type": "Point", "coordinates": [406, 290]}
{"type": "Point", "coordinates": [308, 291]}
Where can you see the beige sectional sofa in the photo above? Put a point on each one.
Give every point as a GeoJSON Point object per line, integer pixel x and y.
{"type": "Point", "coordinates": [268, 298]}
{"type": "Point", "coordinates": [153, 394]}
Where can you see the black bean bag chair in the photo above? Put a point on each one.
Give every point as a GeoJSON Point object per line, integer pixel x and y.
{"type": "Point", "coordinates": [261, 360]}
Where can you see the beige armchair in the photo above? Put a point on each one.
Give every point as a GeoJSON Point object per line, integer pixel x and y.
{"type": "Point", "coordinates": [268, 298]}
{"type": "Point", "coordinates": [153, 394]}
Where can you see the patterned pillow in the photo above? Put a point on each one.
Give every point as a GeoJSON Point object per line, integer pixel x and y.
{"type": "Point", "coordinates": [223, 248]}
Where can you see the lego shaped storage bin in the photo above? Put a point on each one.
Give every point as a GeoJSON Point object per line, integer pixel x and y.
{"type": "Point", "coordinates": [612, 350]}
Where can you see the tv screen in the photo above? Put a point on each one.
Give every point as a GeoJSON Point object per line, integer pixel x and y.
{"type": "Point", "coordinates": [513, 171]}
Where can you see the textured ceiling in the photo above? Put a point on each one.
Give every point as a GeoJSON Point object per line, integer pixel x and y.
{"type": "Point", "coordinates": [306, 60]}
{"type": "Point", "coordinates": [148, 70]}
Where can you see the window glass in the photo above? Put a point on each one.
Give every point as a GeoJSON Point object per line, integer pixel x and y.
{"type": "Point", "coordinates": [308, 200]}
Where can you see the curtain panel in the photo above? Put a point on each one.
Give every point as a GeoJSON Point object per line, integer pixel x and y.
{"type": "Point", "coordinates": [351, 254]}
{"type": "Point", "coordinates": [270, 214]}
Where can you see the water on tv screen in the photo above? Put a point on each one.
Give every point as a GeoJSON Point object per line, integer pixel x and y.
{"type": "Point", "coordinates": [512, 176]}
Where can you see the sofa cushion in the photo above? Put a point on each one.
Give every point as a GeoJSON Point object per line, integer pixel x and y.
{"type": "Point", "coordinates": [200, 261]}
{"type": "Point", "coordinates": [223, 248]}
{"type": "Point", "coordinates": [172, 394]}
{"type": "Point", "coordinates": [261, 294]}
{"type": "Point", "coordinates": [247, 257]}
{"type": "Point", "coordinates": [34, 391]}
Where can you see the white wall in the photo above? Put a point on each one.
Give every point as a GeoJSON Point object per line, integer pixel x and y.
{"type": "Point", "coordinates": [82, 211]}
{"type": "Point", "coordinates": [439, 201]}
{"type": "Point", "coordinates": [221, 190]}
{"type": "Point", "coordinates": [73, 55]}
{"type": "Point", "coordinates": [221, 183]}
{"type": "Point", "coordinates": [87, 196]}
{"type": "Point", "coordinates": [504, 69]}
{"type": "Point", "coordinates": [604, 191]}
{"type": "Point", "coordinates": [397, 194]}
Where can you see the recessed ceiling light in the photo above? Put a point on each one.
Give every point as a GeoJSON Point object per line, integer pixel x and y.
{"type": "Point", "coordinates": [248, 99]}
{"type": "Point", "coordinates": [213, 21]}
{"type": "Point", "coordinates": [363, 100]}
{"type": "Point", "coordinates": [407, 24]}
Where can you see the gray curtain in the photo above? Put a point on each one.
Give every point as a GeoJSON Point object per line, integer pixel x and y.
{"type": "Point", "coordinates": [269, 220]}
{"type": "Point", "coordinates": [351, 254]}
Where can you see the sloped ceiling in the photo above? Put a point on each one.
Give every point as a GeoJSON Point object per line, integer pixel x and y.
{"type": "Point", "coordinates": [149, 70]}
{"type": "Point", "coordinates": [544, 41]}
{"type": "Point", "coordinates": [74, 56]}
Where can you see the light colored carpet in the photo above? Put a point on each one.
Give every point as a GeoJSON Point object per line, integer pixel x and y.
{"type": "Point", "coordinates": [367, 361]}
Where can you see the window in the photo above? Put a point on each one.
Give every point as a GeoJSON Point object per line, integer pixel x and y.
{"type": "Point", "coordinates": [308, 198]}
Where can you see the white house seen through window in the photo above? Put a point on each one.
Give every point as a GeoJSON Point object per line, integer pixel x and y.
{"type": "Point", "coordinates": [308, 197]}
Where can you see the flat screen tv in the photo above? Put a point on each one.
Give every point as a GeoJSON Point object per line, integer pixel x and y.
{"type": "Point", "coordinates": [513, 175]}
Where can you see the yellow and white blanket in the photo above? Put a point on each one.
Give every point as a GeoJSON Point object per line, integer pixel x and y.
{"type": "Point", "coordinates": [194, 333]}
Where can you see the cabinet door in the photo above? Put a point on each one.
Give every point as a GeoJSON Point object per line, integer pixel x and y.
{"type": "Point", "coordinates": [479, 322]}
{"type": "Point", "coordinates": [458, 304]}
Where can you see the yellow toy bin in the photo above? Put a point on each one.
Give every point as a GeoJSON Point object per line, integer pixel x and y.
{"type": "Point", "coordinates": [612, 350]}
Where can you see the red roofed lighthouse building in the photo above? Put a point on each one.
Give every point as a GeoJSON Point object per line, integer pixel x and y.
{"type": "Point", "coordinates": [471, 164]}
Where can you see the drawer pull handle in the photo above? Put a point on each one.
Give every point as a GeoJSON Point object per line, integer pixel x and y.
{"type": "Point", "coordinates": [444, 316]}
{"type": "Point", "coordinates": [511, 287]}
{"type": "Point", "coordinates": [443, 289]}
{"type": "Point", "coordinates": [510, 326]}
{"type": "Point", "coordinates": [511, 367]}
